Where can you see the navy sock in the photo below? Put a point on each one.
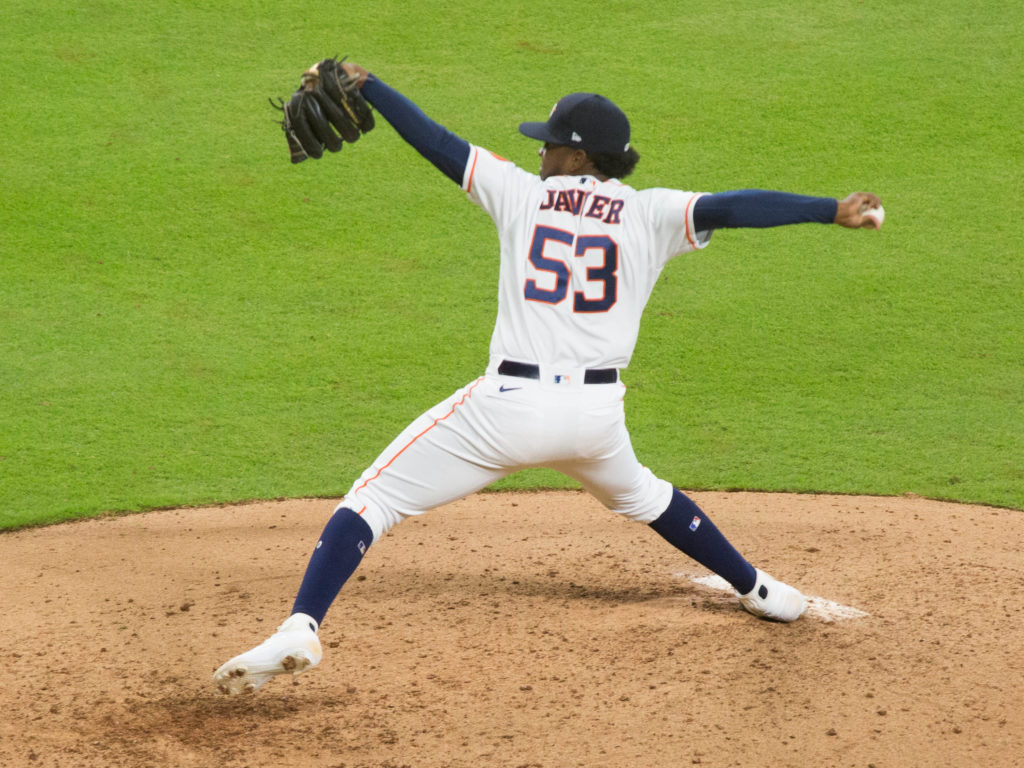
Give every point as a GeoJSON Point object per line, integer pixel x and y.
{"type": "Point", "coordinates": [340, 549]}
{"type": "Point", "coordinates": [688, 529]}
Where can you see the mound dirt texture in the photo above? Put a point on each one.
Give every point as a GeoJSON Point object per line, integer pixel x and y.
{"type": "Point", "coordinates": [522, 630]}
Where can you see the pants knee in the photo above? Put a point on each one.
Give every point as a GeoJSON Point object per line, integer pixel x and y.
{"type": "Point", "coordinates": [380, 521]}
{"type": "Point", "coordinates": [646, 502]}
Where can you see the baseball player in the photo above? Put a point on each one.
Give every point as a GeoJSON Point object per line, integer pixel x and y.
{"type": "Point", "coordinates": [580, 252]}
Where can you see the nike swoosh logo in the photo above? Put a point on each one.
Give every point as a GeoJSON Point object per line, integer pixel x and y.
{"type": "Point", "coordinates": [503, 388]}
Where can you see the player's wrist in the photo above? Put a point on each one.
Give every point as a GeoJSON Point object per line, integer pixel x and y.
{"type": "Point", "coordinates": [356, 72]}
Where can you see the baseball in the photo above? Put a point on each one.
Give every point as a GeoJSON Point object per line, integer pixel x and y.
{"type": "Point", "coordinates": [878, 214]}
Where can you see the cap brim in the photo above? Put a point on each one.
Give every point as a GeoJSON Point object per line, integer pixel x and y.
{"type": "Point", "coordinates": [538, 131]}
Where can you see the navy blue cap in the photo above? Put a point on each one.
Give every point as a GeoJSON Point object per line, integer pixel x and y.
{"type": "Point", "coordinates": [587, 121]}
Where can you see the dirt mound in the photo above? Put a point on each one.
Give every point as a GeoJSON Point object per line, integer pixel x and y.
{"type": "Point", "coordinates": [522, 630]}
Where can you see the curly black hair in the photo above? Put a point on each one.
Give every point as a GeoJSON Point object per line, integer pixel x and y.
{"type": "Point", "coordinates": [615, 165]}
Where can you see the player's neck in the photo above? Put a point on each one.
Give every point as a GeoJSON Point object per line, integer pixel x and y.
{"type": "Point", "coordinates": [592, 172]}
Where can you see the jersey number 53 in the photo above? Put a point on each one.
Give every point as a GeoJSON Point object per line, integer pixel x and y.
{"type": "Point", "coordinates": [550, 243]}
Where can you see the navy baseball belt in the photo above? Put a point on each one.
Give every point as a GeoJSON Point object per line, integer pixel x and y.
{"type": "Point", "coordinates": [531, 371]}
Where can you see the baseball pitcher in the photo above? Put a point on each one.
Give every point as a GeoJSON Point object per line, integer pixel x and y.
{"type": "Point", "coordinates": [580, 252]}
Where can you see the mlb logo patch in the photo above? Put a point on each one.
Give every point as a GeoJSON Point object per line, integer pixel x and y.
{"type": "Point", "coordinates": [695, 524]}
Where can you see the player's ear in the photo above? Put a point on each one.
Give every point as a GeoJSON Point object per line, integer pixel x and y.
{"type": "Point", "coordinates": [579, 160]}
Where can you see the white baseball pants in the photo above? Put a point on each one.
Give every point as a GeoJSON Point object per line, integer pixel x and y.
{"type": "Point", "coordinates": [498, 425]}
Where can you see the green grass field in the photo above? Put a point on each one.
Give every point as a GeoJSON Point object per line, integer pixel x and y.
{"type": "Point", "coordinates": [186, 318]}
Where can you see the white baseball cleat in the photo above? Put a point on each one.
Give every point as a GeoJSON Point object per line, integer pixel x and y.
{"type": "Point", "coordinates": [771, 599]}
{"type": "Point", "coordinates": [293, 648]}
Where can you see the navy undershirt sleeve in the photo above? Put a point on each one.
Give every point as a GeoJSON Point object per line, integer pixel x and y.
{"type": "Point", "coordinates": [760, 208]}
{"type": "Point", "coordinates": [444, 149]}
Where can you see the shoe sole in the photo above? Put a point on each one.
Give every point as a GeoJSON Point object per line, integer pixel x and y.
{"type": "Point", "coordinates": [290, 663]}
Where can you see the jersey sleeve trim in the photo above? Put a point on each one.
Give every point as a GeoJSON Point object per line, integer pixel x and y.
{"type": "Point", "coordinates": [467, 183]}
{"type": "Point", "coordinates": [692, 236]}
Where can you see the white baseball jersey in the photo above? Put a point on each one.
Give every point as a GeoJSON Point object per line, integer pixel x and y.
{"type": "Point", "coordinates": [579, 258]}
